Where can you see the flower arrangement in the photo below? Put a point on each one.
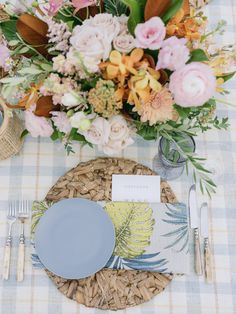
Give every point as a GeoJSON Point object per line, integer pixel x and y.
{"type": "Point", "coordinates": [99, 72]}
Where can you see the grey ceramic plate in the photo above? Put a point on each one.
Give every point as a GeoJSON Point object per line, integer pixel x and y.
{"type": "Point", "coordinates": [75, 238]}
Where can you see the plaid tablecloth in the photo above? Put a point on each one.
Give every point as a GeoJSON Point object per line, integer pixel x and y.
{"type": "Point", "coordinates": [41, 163]}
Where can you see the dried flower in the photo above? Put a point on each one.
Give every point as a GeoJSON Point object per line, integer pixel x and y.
{"type": "Point", "coordinates": [159, 107]}
{"type": "Point", "coordinates": [104, 99]}
{"type": "Point", "coordinates": [58, 34]}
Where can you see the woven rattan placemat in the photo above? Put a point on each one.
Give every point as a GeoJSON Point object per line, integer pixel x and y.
{"type": "Point", "coordinates": [107, 289]}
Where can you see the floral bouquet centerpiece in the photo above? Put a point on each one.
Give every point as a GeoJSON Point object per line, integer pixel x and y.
{"type": "Point", "coordinates": [99, 72]}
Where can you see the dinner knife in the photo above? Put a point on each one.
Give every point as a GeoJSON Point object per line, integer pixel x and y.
{"type": "Point", "coordinates": [194, 224]}
{"type": "Point", "coordinates": [207, 249]}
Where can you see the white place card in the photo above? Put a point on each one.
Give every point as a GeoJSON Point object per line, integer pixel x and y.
{"type": "Point", "coordinates": [136, 188]}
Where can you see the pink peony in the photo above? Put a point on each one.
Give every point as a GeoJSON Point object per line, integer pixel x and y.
{"type": "Point", "coordinates": [150, 34]}
{"type": "Point", "coordinates": [37, 126]}
{"type": "Point", "coordinates": [54, 7]}
{"type": "Point", "coordinates": [173, 54]}
{"type": "Point", "coordinates": [61, 121]}
{"type": "Point", "coordinates": [4, 56]}
{"type": "Point", "coordinates": [80, 4]}
{"type": "Point", "coordinates": [193, 85]}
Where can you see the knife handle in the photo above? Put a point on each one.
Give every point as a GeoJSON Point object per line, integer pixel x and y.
{"type": "Point", "coordinates": [208, 261]}
{"type": "Point", "coordinates": [197, 251]}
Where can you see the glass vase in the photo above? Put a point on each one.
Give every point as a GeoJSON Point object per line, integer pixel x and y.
{"type": "Point", "coordinates": [169, 163]}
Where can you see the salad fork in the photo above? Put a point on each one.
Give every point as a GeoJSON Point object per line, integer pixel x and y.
{"type": "Point", "coordinates": [11, 218]}
{"type": "Point", "coordinates": [23, 215]}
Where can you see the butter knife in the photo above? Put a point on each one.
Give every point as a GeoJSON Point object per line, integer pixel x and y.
{"type": "Point", "coordinates": [194, 224]}
{"type": "Point", "coordinates": [207, 249]}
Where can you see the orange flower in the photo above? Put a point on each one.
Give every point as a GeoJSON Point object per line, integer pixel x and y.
{"type": "Point", "coordinates": [159, 108]}
{"type": "Point", "coordinates": [182, 26]}
{"type": "Point", "coordinates": [30, 98]}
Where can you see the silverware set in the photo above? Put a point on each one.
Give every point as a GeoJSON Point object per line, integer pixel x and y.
{"type": "Point", "coordinates": [16, 211]}
{"type": "Point", "coordinates": [199, 224]}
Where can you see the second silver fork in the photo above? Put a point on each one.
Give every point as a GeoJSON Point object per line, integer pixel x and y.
{"type": "Point", "coordinates": [23, 215]}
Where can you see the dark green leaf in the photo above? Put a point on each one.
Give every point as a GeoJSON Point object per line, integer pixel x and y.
{"type": "Point", "coordinates": [227, 77]}
{"type": "Point", "coordinates": [24, 133]}
{"type": "Point", "coordinates": [115, 7]}
{"type": "Point", "coordinates": [55, 135]}
{"type": "Point", "coordinates": [9, 30]}
{"type": "Point", "coordinates": [136, 8]}
{"type": "Point", "coordinates": [173, 9]}
{"type": "Point", "coordinates": [198, 55]}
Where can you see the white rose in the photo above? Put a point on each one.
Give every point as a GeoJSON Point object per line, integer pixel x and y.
{"type": "Point", "coordinates": [124, 43]}
{"type": "Point", "coordinates": [19, 6]}
{"type": "Point", "coordinates": [115, 147]}
{"type": "Point", "coordinates": [123, 21]}
{"type": "Point", "coordinates": [119, 137]}
{"type": "Point", "coordinates": [91, 42]}
{"type": "Point", "coordinates": [80, 121]}
{"type": "Point", "coordinates": [70, 100]}
{"type": "Point", "coordinates": [105, 22]}
{"type": "Point", "coordinates": [99, 131]}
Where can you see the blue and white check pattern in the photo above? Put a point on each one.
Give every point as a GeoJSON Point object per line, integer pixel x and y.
{"type": "Point", "coordinates": [41, 163]}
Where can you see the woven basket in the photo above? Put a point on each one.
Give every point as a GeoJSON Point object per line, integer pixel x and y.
{"type": "Point", "coordinates": [10, 131]}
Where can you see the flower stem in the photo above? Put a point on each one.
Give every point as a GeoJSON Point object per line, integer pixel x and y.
{"type": "Point", "coordinates": [223, 101]}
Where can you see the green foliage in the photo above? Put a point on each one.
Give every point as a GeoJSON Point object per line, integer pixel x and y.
{"type": "Point", "coordinates": [198, 55]}
{"type": "Point", "coordinates": [24, 133]}
{"type": "Point", "coordinates": [9, 29]}
{"type": "Point", "coordinates": [227, 77]}
{"type": "Point", "coordinates": [115, 7]}
{"type": "Point", "coordinates": [38, 209]}
{"type": "Point", "coordinates": [133, 226]}
{"type": "Point", "coordinates": [136, 8]}
{"type": "Point", "coordinates": [173, 9]}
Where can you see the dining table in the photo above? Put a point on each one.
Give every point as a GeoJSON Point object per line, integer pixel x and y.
{"type": "Point", "coordinates": [32, 172]}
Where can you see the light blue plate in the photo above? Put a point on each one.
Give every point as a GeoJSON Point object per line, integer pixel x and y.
{"type": "Point", "coordinates": [75, 238]}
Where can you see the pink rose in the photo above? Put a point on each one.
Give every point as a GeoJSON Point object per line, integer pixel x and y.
{"type": "Point", "coordinates": [4, 56]}
{"type": "Point", "coordinates": [98, 132]}
{"type": "Point", "coordinates": [37, 126]}
{"type": "Point", "coordinates": [193, 84]}
{"type": "Point", "coordinates": [150, 34]}
{"type": "Point", "coordinates": [173, 54]}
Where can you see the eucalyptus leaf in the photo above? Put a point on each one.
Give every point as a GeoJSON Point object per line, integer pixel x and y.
{"type": "Point", "coordinates": [13, 42]}
{"type": "Point", "coordinates": [31, 70]}
{"type": "Point", "coordinates": [13, 80]}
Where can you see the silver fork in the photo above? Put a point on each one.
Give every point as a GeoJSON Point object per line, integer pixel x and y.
{"type": "Point", "coordinates": [23, 215]}
{"type": "Point", "coordinates": [11, 218]}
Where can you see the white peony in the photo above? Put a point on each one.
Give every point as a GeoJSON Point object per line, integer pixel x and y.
{"type": "Point", "coordinates": [99, 132]}
{"type": "Point", "coordinates": [19, 6]}
{"type": "Point", "coordinates": [124, 43]}
{"type": "Point", "coordinates": [106, 23]}
{"type": "Point", "coordinates": [91, 42]}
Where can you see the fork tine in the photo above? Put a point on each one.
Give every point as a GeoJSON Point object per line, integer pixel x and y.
{"type": "Point", "coordinates": [9, 208]}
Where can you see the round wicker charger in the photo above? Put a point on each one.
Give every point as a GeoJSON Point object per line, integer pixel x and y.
{"type": "Point", "coordinates": [108, 289]}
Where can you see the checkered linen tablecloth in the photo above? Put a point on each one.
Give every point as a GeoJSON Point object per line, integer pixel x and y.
{"type": "Point", "coordinates": [41, 163]}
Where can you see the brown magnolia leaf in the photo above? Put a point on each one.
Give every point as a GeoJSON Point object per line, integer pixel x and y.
{"type": "Point", "coordinates": [34, 32]}
{"type": "Point", "coordinates": [156, 8]}
{"type": "Point", "coordinates": [90, 11]}
{"type": "Point", "coordinates": [159, 7]}
{"type": "Point", "coordinates": [44, 106]}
